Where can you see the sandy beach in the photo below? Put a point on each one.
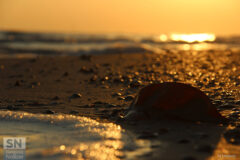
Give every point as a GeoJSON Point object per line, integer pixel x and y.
{"type": "Point", "coordinates": [120, 80]}
{"type": "Point", "coordinates": [103, 86]}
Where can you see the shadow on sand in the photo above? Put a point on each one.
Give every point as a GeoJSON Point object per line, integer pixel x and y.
{"type": "Point", "coordinates": [174, 140]}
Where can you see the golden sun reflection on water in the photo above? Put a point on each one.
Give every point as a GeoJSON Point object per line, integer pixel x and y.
{"type": "Point", "coordinates": [163, 37]}
{"type": "Point", "coordinates": [196, 47]}
{"type": "Point", "coordinates": [189, 38]}
{"type": "Point", "coordinates": [63, 136]}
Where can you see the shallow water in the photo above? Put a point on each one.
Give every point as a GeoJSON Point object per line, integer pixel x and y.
{"type": "Point", "coordinates": [69, 137]}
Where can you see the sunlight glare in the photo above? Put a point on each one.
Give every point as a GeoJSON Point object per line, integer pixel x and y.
{"type": "Point", "coordinates": [190, 38]}
{"type": "Point", "coordinates": [163, 37]}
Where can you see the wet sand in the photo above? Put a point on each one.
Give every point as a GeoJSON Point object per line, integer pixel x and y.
{"type": "Point", "coordinates": [102, 87]}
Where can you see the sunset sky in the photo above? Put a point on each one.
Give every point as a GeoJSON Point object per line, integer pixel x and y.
{"type": "Point", "coordinates": [122, 16]}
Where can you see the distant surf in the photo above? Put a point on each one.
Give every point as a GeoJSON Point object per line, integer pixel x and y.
{"type": "Point", "coordinates": [21, 43]}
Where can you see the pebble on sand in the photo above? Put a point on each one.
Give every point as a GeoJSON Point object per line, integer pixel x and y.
{"type": "Point", "coordinates": [17, 83]}
{"type": "Point", "coordinates": [75, 96]}
{"type": "Point", "coordinates": [49, 112]}
{"type": "Point", "coordinates": [171, 100]}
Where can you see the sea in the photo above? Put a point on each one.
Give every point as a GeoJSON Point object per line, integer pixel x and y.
{"type": "Point", "coordinates": [25, 44]}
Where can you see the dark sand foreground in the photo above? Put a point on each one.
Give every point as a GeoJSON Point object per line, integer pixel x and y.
{"type": "Point", "coordinates": [103, 86]}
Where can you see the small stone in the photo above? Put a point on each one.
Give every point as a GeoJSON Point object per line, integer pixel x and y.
{"type": "Point", "coordinates": [98, 102]}
{"type": "Point", "coordinates": [217, 102]}
{"type": "Point", "coordinates": [10, 107]}
{"type": "Point", "coordinates": [36, 83]}
{"type": "Point", "coordinates": [17, 83]}
{"type": "Point", "coordinates": [75, 95]}
{"type": "Point", "coordinates": [135, 84]}
{"type": "Point", "coordinates": [115, 112]}
{"type": "Point", "coordinates": [116, 94]}
{"type": "Point", "coordinates": [121, 98]}
{"type": "Point", "coordinates": [55, 98]}
{"type": "Point", "coordinates": [235, 109]}
{"type": "Point", "coordinates": [105, 87]}
{"type": "Point", "coordinates": [73, 112]}
{"type": "Point", "coordinates": [104, 111]}
{"type": "Point", "coordinates": [93, 78]}
{"type": "Point", "coordinates": [65, 74]}
{"type": "Point", "coordinates": [49, 112]}
{"type": "Point", "coordinates": [226, 106]}
{"type": "Point", "coordinates": [36, 103]}
{"type": "Point", "coordinates": [84, 69]}
{"type": "Point", "coordinates": [129, 98]}
{"type": "Point", "coordinates": [235, 114]}
{"type": "Point", "coordinates": [200, 84]}
{"type": "Point", "coordinates": [106, 64]}
{"type": "Point", "coordinates": [229, 98]}
{"type": "Point", "coordinates": [54, 103]}
{"type": "Point", "coordinates": [211, 84]}
{"type": "Point", "coordinates": [237, 102]}
{"type": "Point", "coordinates": [111, 105]}
{"type": "Point", "coordinates": [85, 106]}
{"type": "Point", "coordinates": [118, 80]}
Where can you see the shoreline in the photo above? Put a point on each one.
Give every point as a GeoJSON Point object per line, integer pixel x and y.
{"type": "Point", "coordinates": [102, 87]}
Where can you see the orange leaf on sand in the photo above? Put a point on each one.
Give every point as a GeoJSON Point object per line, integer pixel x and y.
{"type": "Point", "coordinates": [170, 100]}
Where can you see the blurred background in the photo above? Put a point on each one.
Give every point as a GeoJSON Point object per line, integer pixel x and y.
{"type": "Point", "coordinates": [221, 17]}
{"type": "Point", "coordinates": [76, 27]}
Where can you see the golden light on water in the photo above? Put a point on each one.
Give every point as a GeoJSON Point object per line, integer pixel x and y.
{"type": "Point", "coordinates": [62, 147]}
{"type": "Point", "coordinates": [201, 37]}
{"type": "Point", "coordinates": [196, 47]}
{"type": "Point", "coordinates": [81, 137]}
{"type": "Point", "coordinates": [163, 37]}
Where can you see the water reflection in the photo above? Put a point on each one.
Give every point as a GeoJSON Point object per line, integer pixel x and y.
{"type": "Point", "coordinates": [66, 136]}
{"type": "Point", "coordinates": [196, 47]}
